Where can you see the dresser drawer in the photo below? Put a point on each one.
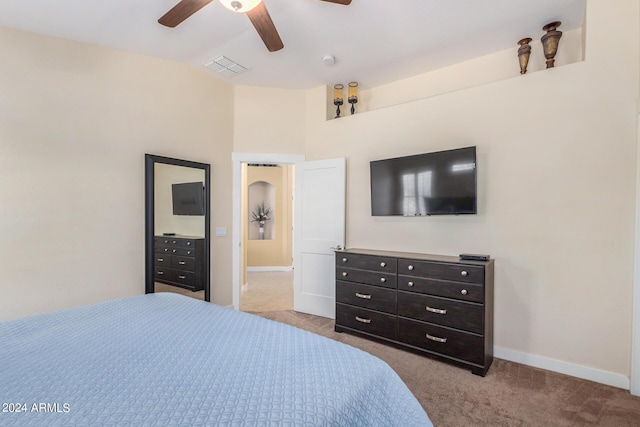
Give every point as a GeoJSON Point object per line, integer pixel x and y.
{"type": "Point", "coordinates": [162, 241]}
{"type": "Point", "coordinates": [366, 262]}
{"type": "Point", "coordinates": [372, 297]}
{"type": "Point", "coordinates": [162, 260]}
{"type": "Point", "coordinates": [162, 273]}
{"type": "Point", "coordinates": [443, 311]}
{"type": "Point", "coordinates": [444, 288]}
{"type": "Point", "coordinates": [185, 278]}
{"type": "Point", "coordinates": [442, 271]}
{"type": "Point", "coordinates": [162, 249]}
{"type": "Point", "coordinates": [183, 263]}
{"type": "Point", "coordinates": [387, 280]}
{"type": "Point", "coordinates": [361, 319]}
{"type": "Point", "coordinates": [186, 243]}
{"type": "Point", "coordinates": [179, 251]}
{"type": "Point", "coordinates": [449, 342]}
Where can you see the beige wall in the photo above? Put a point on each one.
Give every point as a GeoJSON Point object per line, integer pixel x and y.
{"type": "Point", "coordinates": [274, 252]}
{"type": "Point", "coordinates": [269, 120]}
{"type": "Point", "coordinates": [75, 123]}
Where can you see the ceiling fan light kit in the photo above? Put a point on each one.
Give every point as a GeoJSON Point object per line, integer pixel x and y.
{"type": "Point", "coordinates": [240, 6]}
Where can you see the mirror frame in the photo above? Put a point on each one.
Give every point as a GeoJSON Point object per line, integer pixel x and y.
{"type": "Point", "coordinates": [149, 206]}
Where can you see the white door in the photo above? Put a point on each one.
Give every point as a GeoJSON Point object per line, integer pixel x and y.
{"type": "Point", "coordinates": [319, 227]}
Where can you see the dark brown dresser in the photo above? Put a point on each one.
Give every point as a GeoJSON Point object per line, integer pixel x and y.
{"type": "Point", "coordinates": [179, 261]}
{"type": "Point", "coordinates": [436, 305]}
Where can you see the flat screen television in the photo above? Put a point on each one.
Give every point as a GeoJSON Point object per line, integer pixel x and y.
{"type": "Point", "coordinates": [188, 198]}
{"type": "Point", "coordinates": [438, 183]}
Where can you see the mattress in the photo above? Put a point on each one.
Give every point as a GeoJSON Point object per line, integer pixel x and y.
{"type": "Point", "coordinates": [169, 360]}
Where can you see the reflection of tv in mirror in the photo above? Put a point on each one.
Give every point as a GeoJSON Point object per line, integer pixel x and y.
{"type": "Point", "coordinates": [439, 183]}
{"type": "Point", "coordinates": [188, 198]}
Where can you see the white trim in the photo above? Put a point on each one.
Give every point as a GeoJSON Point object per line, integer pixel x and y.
{"type": "Point", "coordinates": [635, 322]}
{"type": "Point", "coordinates": [555, 365]}
{"type": "Point", "coordinates": [273, 268]}
{"type": "Point", "coordinates": [236, 256]}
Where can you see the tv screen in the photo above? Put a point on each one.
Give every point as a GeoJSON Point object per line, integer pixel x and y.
{"type": "Point", "coordinates": [439, 183]}
{"type": "Point", "coordinates": [188, 198]}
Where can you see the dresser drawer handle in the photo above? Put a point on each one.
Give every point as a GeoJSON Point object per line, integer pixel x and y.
{"type": "Point", "coordinates": [181, 277]}
{"type": "Point", "coordinates": [188, 252]}
{"type": "Point", "coordinates": [174, 251]}
{"type": "Point", "coordinates": [188, 243]}
{"type": "Point", "coordinates": [464, 273]}
{"type": "Point", "coordinates": [436, 339]}
{"type": "Point", "coordinates": [166, 249]}
{"type": "Point", "coordinates": [344, 260]}
{"type": "Point", "coordinates": [436, 310]}
{"type": "Point", "coordinates": [174, 242]}
{"type": "Point", "coordinates": [382, 279]}
{"type": "Point", "coordinates": [383, 264]}
{"type": "Point", "coordinates": [182, 262]}
{"type": "Point", "coordinates": [464, 292]}
{"type": "Point", "coordinates": [410, 284]}
{"type": "Point", "coordinates": [345, 274]}
{"type": "Point", "coordinates": [363, 296]}
{"type": "Point", "coordinates": [410, 268]}
{"type": "Point", "coordinates": [361, 320]}
{"type": "Point", "coordinates": [160, 273]}
{"type": "Point", "coordinates": [160, 259]}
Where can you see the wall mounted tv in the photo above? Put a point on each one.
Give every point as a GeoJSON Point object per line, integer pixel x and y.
{"type": "Point", "coordinates": [188, 198]}
{"type": "Point", "coordinates": [439, 183]}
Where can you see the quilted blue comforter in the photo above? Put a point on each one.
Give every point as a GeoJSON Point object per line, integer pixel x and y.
{"type": "Point", "coordinates": [169, 360]}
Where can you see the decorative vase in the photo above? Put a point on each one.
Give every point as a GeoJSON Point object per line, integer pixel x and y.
{"type": "Point", "coordinates": [524, 52]}
{"type": "Point", "coordinates": [550, 41]}
{"type": "Point", "coordinates": [261, 230]}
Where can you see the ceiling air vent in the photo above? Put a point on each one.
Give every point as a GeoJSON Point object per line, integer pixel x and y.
{"type": "Point", "coordinates": [225, 66]}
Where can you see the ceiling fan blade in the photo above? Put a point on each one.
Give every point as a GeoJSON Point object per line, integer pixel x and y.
{"type": "Point", "coordinates": [182, 11]}
{"type": "Point", "coordinates": [263, 24]}
{"type": "Point", "coordinates": [344, 2]}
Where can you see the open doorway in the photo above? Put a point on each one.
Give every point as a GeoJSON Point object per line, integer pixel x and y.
{"type": "Point", "coordinates": [267, 239]}
{"type": "Point", "coordinates": [262, 259]}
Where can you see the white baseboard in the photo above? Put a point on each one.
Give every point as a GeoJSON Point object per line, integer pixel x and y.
{"type": "Point", "coordinates": [579, 371]}
{"type": "Point", "coordinates": [274, 268]}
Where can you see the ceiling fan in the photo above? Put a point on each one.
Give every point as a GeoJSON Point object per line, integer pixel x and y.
{"type": "Point", "coordinates": [255, 10]}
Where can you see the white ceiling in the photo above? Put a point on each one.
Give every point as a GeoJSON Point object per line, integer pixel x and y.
{"type": "Point", "coordinates": [374, 41]}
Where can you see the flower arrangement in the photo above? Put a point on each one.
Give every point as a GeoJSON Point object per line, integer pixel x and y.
{"type": "Point", "coordinates": [261, 214]}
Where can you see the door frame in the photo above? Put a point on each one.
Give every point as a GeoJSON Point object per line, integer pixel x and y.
{"type": "Point", "coordinates": [236, 228]}
{"type": "Point", "coordinates": [634, 378]}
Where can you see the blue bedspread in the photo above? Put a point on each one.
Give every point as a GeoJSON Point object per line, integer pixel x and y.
{"type": "Point", "coordinates": [169, 360]}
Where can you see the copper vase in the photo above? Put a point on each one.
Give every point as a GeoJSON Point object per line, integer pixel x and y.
{"type": "Point", "coordinates": [550, 41]}
{"type": "Point", "coordinates": [524, 52]}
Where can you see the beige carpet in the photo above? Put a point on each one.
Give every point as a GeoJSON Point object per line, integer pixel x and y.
{"type": "Point", "coordinates": [510, 395]}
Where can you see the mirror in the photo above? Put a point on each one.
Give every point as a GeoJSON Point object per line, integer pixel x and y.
{"type": "Point", "coordinates": [177, 226]}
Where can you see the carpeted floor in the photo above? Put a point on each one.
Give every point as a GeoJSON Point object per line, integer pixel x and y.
{"type": "Point", "coordinates": [510, 395]}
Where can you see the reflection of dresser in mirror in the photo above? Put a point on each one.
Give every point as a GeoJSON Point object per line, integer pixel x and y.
{"type": "Point", "coordinates": [179, 261]}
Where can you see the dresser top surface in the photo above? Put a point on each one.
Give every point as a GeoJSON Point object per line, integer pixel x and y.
{"type": "Point", "coordinates": [412, 255]}
{"type": "Point", "coordinates": [179, 236]}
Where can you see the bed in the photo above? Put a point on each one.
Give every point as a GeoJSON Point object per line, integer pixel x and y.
{"type": "Point", "coordinates": [166, 359]}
